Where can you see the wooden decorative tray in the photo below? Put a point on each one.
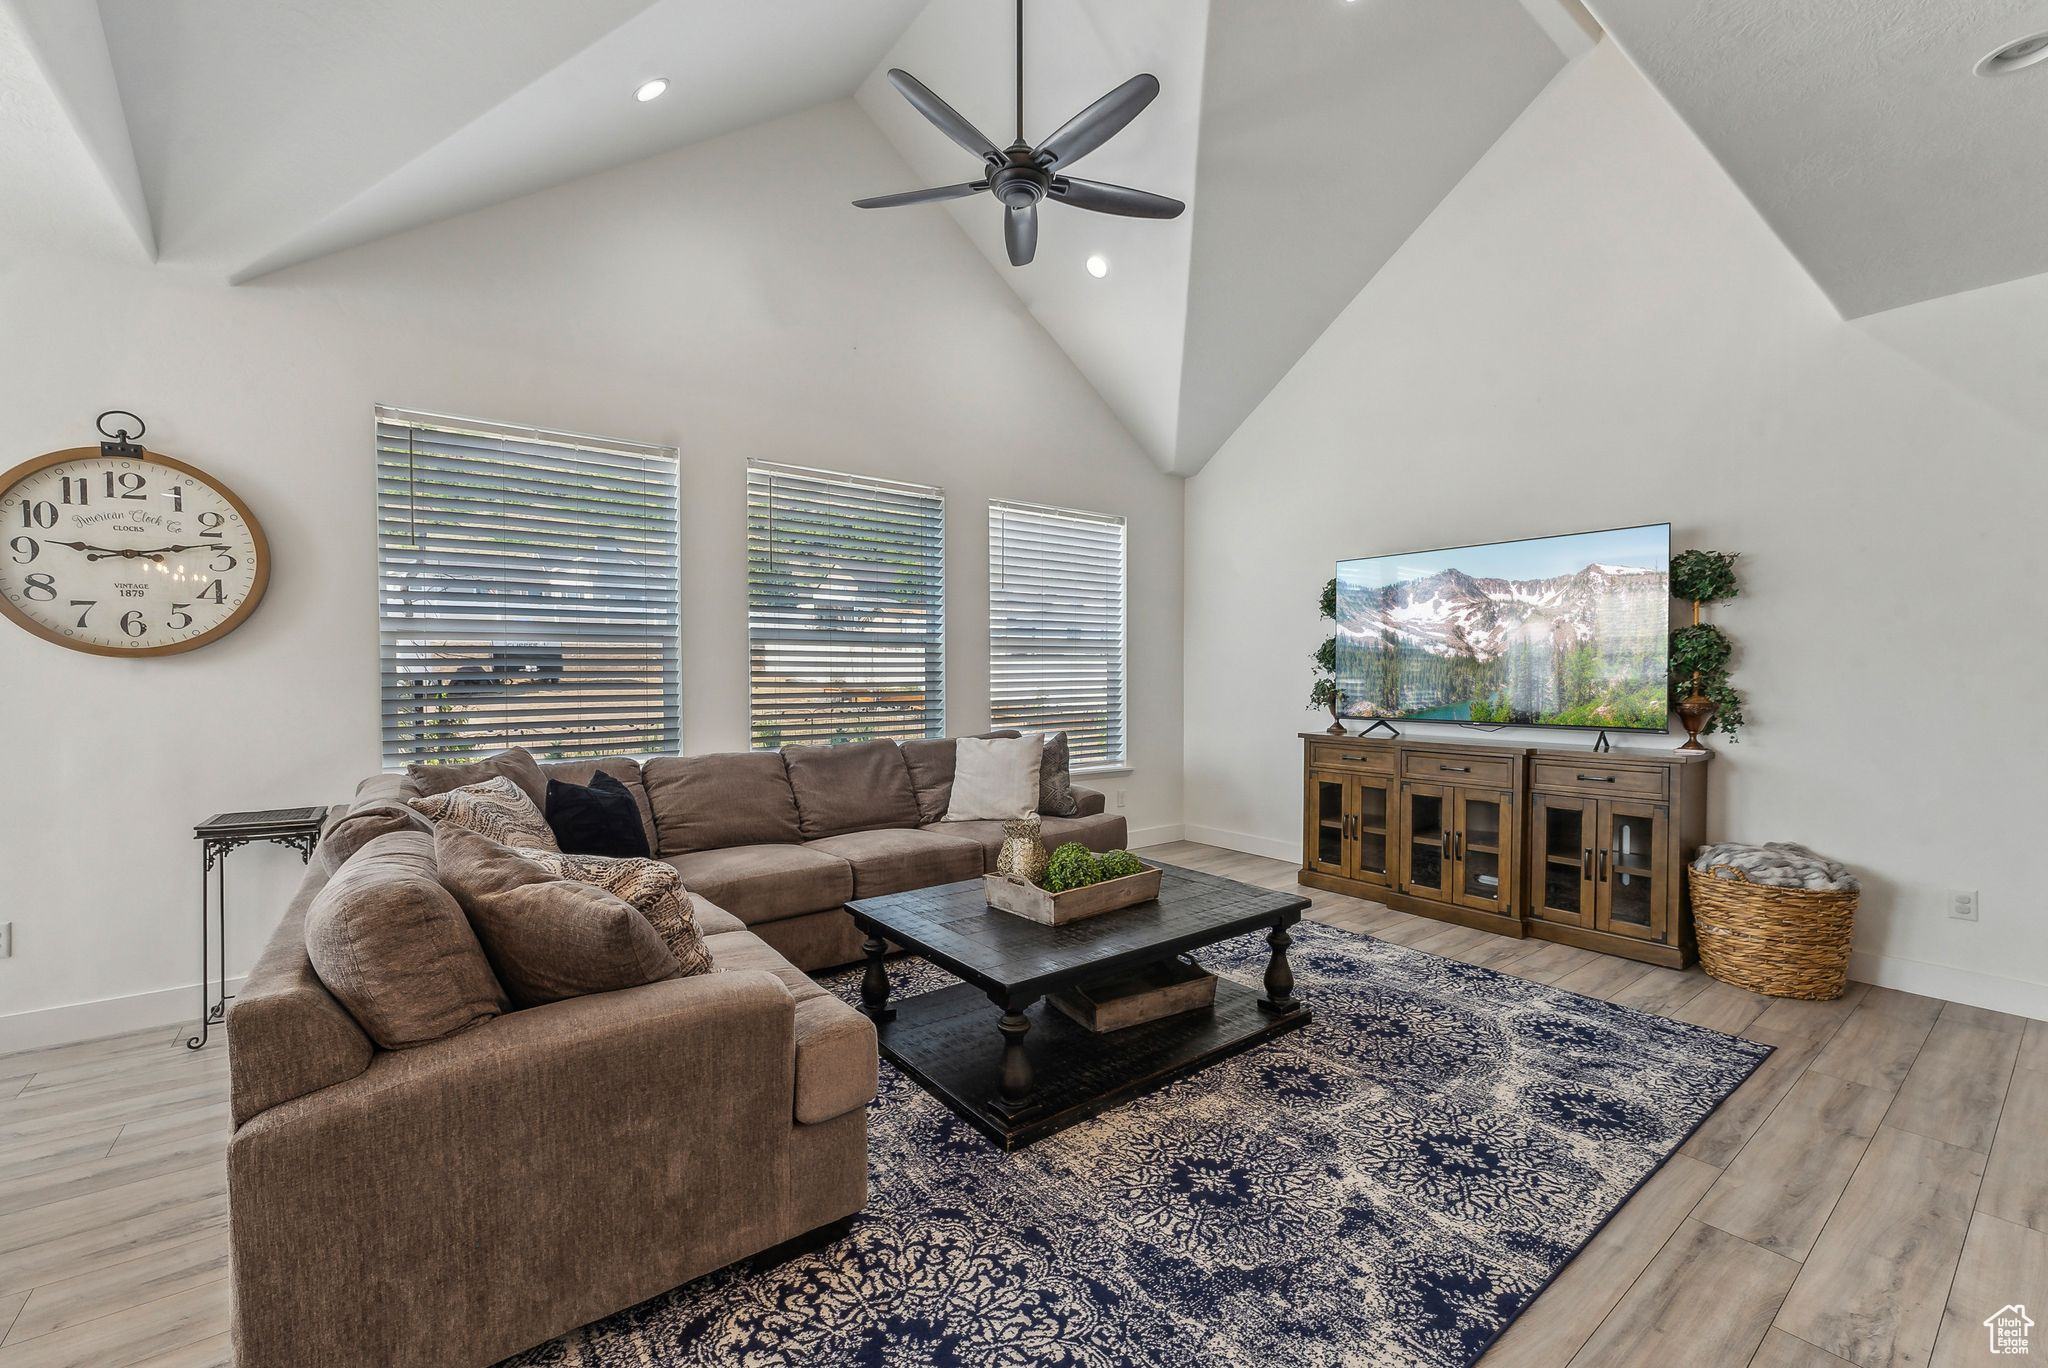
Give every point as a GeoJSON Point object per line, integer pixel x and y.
{"type": "Point", "coordinates": [1076, 904]}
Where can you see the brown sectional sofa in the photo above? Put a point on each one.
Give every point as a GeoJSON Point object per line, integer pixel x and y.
{"type": "Point", "coordinates": [454, 1203]}
{"type": "Point", "coordinates": [784, 839]}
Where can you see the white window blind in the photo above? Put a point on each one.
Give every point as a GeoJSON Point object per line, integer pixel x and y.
{"type": "Point", "coordinates": [845, 607]}
{"type": "Point", "coordinates": [527, 592]}
{"type": "Point", "coordinates": [1056, 627]}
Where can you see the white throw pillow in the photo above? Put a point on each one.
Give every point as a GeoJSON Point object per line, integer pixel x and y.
{"type": "Point", "coordinates": [995, 780]}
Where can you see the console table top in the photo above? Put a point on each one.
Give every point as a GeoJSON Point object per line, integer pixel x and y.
{"type": "Point", "coordinates": [1621, 751]}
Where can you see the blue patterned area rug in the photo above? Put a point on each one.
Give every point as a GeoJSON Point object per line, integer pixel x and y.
{"type": "Point", "coordinates": [1389, 1186]}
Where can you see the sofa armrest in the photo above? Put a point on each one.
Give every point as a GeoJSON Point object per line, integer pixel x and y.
{"type": "Point", "coordinates": [1091, 800]}
{"type": "Point", "coordinates": [508, 1183]}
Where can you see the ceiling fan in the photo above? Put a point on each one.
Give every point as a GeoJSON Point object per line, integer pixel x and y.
{"type": "Point", "coordinates": [1022, 176]}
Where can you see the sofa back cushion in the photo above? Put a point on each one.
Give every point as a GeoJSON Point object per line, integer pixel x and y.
{"type": "Point", "coordinates": [394, 947]}
{"type": "Point", "coordinates": [549, 938]}
{"type": "Point", "coordinates": [623, 768]}
{"type": "Point", "coordinates": [516, 764]}
{"type": "Point", "coordinates": [860, 787]}
{"type": "Point", "coordinates": [709, 802]}
{"type": "Point", "coordinates": [931, 773]}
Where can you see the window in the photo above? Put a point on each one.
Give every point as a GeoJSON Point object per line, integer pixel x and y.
{"type": "Point", "coordinates": [1056, 627]}
{"type": "Point", "coordinates": [527, 592]}
{"type": "Point", "coordinates": [845, 607]}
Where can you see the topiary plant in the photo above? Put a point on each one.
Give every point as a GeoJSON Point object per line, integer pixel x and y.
{"type": "Point", "coordinates": [1120, 864]}
{"type": "Point", "coordinates": [1324, 694]}
{"type": "Point", "coordinates": [1700, 653]}
{"type": "Point", "coordinates": [1073, 865]}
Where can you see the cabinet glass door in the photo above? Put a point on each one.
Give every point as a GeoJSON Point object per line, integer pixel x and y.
{"type": "Point", "coordinates": [1564, 830]}
{"type": "Point", "coordinates": [1328, 824]}
{"type": "Point", "coordinates": [1426, 841]}
{"type": "Point", "coordinates": [1632, 870]}
{"type": "Point", "coordinates": [1371, 830]}
{"type": "Point", "coordinates": [1482, 845]}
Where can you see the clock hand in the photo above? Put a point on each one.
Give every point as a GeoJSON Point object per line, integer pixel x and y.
{"type": "Point", "coordinates": [95, 552]}
{"type": "Point", "coordinates": [197, 546]}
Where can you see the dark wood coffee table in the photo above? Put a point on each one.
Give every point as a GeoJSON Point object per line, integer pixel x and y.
{"type": "Point", "coordinates": [1048, 1072]}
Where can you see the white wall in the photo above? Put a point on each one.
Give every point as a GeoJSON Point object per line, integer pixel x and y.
{"type": "Point", "coordinates": [1595, 329]}
{"type": "Point", "coordinates": [724, 299]}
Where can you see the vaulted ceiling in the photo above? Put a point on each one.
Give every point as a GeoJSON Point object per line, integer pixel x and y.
{"type": "Point", "coordinates": [1862, 132]}
{"type": "Point", "coordinates": [237, 138]}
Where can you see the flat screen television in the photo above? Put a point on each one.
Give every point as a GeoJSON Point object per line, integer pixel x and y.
{"type": "Point", "coordinates": [1570, 631]}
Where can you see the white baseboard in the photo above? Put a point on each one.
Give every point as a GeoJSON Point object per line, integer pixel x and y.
{"type": "Point", "coordinates": [1151, 836]}
{"type": "Point", "coordinates": [1967, 986]}
{"type": "Point", "coordinates": [1271, 847]}
{"type": "Point", "coordinates": [76, 1021]}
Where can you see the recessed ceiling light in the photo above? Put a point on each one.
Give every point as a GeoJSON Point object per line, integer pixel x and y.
{"type": "Point", "coordinates": [1098, 266]}
{"type": "Point", "coordinates": [2025, 53]}
{"type": "Point", "coordinates": [652, 90]}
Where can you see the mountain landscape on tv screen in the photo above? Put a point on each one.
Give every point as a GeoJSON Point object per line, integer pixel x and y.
{"type": "Point", "coordinates": [1584, 649]}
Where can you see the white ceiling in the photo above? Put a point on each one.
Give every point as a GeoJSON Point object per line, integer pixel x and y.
{"type": "Point", "coordinates": [1861, 133]}
{"type": "Point", "coordinates": [236, 138]}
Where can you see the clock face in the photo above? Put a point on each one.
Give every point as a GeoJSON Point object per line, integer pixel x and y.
{"type": "Point", "coordinates": [126, 555]}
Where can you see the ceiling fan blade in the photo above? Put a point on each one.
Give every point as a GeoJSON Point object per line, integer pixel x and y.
{"type": "Point", "coordinates": [1020, 234]}
{"type": "Point", "coordinates": [1114, 199]}
{"type": "Point", "coordinates": [943, 192]}
{"type": "Point", "coordinates": [943, 115]}
{"type": "Point", "coordinates": [1098, 123]}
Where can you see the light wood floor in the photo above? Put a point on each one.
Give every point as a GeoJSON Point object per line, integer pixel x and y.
{"type": "Point", "coordinates": [1876, 1190]}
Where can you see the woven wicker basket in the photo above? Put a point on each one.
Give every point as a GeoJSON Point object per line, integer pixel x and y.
{"type": "Point", "coordinates": [1782, 942]}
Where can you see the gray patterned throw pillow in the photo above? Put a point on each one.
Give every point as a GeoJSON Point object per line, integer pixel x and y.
{"type": "Point", "coordinates": [496, 808]}
{"type": "Point", "coordinates": [1055, 785]}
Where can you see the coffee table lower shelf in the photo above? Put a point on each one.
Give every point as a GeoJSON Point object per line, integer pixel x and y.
{"type": "Point", "coordinates": [947, 1040]}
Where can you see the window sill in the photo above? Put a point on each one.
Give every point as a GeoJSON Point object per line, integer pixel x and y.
{"type": "Point", "coordinates": [1108, 772]}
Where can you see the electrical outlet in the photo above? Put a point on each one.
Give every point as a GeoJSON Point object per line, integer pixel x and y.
{"type": "Point", "coordinates": [6, 940]}
{"type": "Point", "coordinates": [1962, 904]}
{"type": "Point", "coordinates": [1120, 800]}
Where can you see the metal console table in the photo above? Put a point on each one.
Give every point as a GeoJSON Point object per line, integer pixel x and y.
{"type": "Point", "coordinates": [296, 828]}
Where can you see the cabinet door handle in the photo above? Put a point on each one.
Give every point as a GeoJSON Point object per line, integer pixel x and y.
{"type": "Point", "coordinates": [1351, 827]}
{"type": "Point", "coordinates": [1596, 778]}
{"type": "Point", "coordinates": [1455, 769]}
{"type": "Point", "coordinates": [1586, 864]}
{"type": "Point", "coordinates": [1461, 845]}
{"type": "Point", "coordinates": [1603, 865]}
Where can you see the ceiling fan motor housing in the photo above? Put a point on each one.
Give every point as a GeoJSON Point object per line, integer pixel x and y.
{"type": "Point", "coordinates": [1021, 181]}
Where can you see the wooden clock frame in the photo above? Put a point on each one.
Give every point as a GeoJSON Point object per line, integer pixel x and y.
{"type": "Point", "coordinates": [258, 583]}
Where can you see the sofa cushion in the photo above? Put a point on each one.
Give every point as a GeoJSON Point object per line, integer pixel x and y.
{"type": "Point", "coordinates": [816, 941]}
{"type": "Point", "coordinates": [894, 861]}
{"type": "Point", "coordinates": [394, 947]}
{"type": "Point", "coordinates": [931, 772]}
{"type": "Point", "coordinates": [758, 883]}
{"type": "Point", "coordinates": [599, 818]}
{"type": "Point", "coordinates": [855, 787]}
{"type": "Point", "coordinates": [516, 764]}
{"type": "Point", "coordinates": [495, 808]}
{"type": "Point", "coordinates": [712, 802]}
{"type": "Point", "coordinates": [548, 938]}
{"type": "Point", "coordinates": [835, 1045]}
{"type": "Point", "coordinates": [711, 919]}
{"type": "Point", "coordinates": [652, 886]}
{"type": "Point", "coordinates": [1099, 833]}
{"type": "Point", "coordinates": [623, 768]}
{"type": "Point", "coordinates": [364, 823]}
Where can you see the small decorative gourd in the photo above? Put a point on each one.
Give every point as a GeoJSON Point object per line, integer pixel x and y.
{"type": "Point", "coordinates": [1023, 856]}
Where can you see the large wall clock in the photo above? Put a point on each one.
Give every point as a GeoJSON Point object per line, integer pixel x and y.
{"type": "Point", "coordinates": [120, 551]}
